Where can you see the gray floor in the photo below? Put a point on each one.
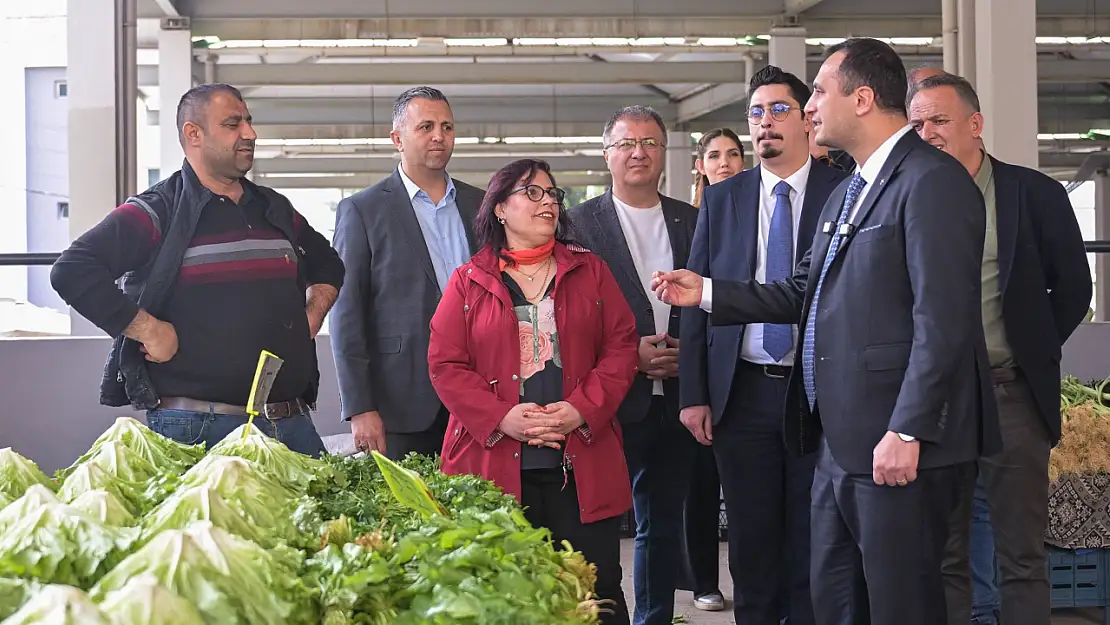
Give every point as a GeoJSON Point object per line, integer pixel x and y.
{"type": "Point", "coordinates": [684, 601]}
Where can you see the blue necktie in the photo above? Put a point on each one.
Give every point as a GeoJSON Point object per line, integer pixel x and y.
{"type": "Point", "coordinates": [777, 337]}
{"type": "Point", "coordinates": [855, 187]}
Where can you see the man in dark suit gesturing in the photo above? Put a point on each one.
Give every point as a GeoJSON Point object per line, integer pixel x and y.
{"type": "Point", "coordinates": [400, 240]}
{"type": "Point", "coordinates": [893, 388]}
{"type": "Point", "coordinates": [757, 225]}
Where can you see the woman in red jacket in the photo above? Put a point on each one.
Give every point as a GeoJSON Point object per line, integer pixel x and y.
{"type": "Point", "coordinates": [532, 349]}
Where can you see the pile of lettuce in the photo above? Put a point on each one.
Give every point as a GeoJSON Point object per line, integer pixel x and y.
{"type": "Point", "coordinates": [143, 530]}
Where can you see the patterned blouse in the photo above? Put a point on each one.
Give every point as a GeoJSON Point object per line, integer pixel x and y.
{"type": "Point", "coordinates": [541, 370]}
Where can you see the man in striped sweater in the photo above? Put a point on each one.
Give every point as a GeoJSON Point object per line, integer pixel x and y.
{"type": "Point", "coordinates": [216, 269]}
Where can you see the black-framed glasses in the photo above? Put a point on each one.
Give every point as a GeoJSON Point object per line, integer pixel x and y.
{"type": "Point", "coordinates": [535, 193]}
{"type": "Point", "coordinates": [627, 145]}
{"type": "Point", "coordinates": [778, 110]}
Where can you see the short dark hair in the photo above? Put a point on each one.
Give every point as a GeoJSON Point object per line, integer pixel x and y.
{"type": "Point", "coordinates": [193, 104]}
{"type": "Point", "coordinates": [487, 229]}
{"type": "Point", "coordinates": [959, 83]}
{"type": "Point", "coordinates": [871, 63]}
{"type": "Point", "coordinates": [400, 105]}
{"type": "Point", "coordinates": [638, 112]}
{"type": "Point", "coordinates": [771, 75]}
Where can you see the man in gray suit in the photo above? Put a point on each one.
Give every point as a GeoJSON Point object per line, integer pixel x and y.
{"type": "Point", "coordinates": [400, 240]}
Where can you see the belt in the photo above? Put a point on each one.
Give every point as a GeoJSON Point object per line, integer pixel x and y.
{"type": "Point", "coordinates": [777, 372]}
{"type": "Point", "coordinates": [276, 410]}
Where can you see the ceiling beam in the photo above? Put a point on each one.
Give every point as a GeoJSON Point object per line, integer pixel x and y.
{"type": "Point", "coordinates": [384, 163]}
{"type": "Point", "coordinates": [471, 110]}
{"type": "Point", "coordinates": [679, 23]}
{"type": "Point", "coordinates": [797, 7]}
{"type": "Point", "coordinates": [361, 181]}
{"type": "Point", "coordinates": [1049, 70]}
{"type": "Point", "coordinates": [168, 8]}
{"type": "Point", "coordinates": [710, 100]}
{"type": "Point", "coordinates": [462, 129]}
{"type": "Point", "coordinates": [556, 72]}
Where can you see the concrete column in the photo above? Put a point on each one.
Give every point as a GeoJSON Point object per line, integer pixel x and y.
{"type": "Point", "coordinates": [175, 77]}
{"type": "Point", "coordinates": [91, 80]}
{"type": "Point", "coordinates": [1102, 233]}
{"type": "Point", "coordinates": [787, 50]}
{"type": "Point", "coordinates": [1006, 50]}
{"type": "Point", "coordinates": [965, 39]}
{"type": "Point", "coordinates": [678, 174]}
{"type": "Point", "coordinates": [949, 28]}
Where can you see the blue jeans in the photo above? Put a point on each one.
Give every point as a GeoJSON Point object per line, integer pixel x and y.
{"type": "Point", "coordinates": [191, 428]}
{"type": "Point", "coordinates": [986, 603]}
{"type": "Point", "coordinates": [660, 455]}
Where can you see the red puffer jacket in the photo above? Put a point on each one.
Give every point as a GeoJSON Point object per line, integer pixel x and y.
{"type": "Point", "coordinates": [474, 363]}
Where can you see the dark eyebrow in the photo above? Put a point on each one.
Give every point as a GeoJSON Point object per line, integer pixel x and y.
{"type": "Point", "coordinates": [237, 118]}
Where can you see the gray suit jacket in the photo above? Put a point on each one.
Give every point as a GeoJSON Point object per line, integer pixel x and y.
{"type": "Point", "coordinates": [597, 227]}
{"type": "Point", "coordinates": [380, 323]}
{"type": "Point", "coordinates": [899, 334]}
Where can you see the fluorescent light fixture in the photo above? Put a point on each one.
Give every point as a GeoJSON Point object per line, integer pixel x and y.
{"type": "Point", "coordinates": [718, 41]}
{"type": "Point", "coordinates": [466, 140]}
{"type": "Point", "coordinates": [1102, 132]}
{"type": "Point", "coordinates": [491, 140]}
{"type": "Point", "coordinates": [535, 140]}
{"type": "Point", "coordinates": [477, 42]}
{"type": "Point", "coordinates": [1061, 136]}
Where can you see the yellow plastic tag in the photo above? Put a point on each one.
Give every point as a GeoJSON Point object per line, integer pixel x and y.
{"type": "Point", "coordinates": [407, 487]}
{"type": "Point", "coordinates": [264, 375]}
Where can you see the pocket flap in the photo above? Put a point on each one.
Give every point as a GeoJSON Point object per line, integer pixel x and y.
{"type": "Point", "coordinates": [889, 356]}
{"type": "Point", "coordinates": [389, 345]}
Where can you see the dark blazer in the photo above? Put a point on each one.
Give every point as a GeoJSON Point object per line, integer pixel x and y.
{"type": "Point", "coordinates": [1043, 275]}
{"type": "Point", "coordinates": [597, 227]}
{"type": "Point", "coordinates": [725, 246]}
{"type": "Point", "coordinates": [379, 325]}
{"type": "Point", "coordinates": [899, 334]}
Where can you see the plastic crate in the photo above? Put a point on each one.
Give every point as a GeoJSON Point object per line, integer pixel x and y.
{"type": "Point", "coordinates": [1078, 579]}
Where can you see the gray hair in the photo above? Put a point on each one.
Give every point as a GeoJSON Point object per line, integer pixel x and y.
{"type": "Point", "coordinates": [959, 83]}
{"type": "Point", "coordinates": [193, 104]}
{"type": "Point", "coordinates": [636, 112]}
{"type": "Point", "coordinates": [400, 106]}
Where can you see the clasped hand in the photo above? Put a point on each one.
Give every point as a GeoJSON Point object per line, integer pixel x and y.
{"type": "Point", "coordinates": [541, 426]}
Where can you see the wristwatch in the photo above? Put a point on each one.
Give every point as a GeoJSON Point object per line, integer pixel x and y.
{"type": "Point", "coordinates": [906, 437]}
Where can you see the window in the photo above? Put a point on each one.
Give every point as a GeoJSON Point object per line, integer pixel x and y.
{"type": "Point", "coordinates": [63, 210]}
{"type": "Point", "coordinates": [153, 175]}
{"type": "Point", "coordinates": [61, 89]}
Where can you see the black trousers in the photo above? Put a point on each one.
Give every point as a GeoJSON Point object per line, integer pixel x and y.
{"type": "Point", "coordinates": [702, 526]}
{"type": "Point", "coordinates": [766, 491]}
{"type": "Point", "coordinates": [1016, 484]}
{"type": "Point", "coordinates": [877, 550]}
{"type": "Point", "coordinates": [548, 504]}
{"type": "Point", "coordinates": [426, 443]}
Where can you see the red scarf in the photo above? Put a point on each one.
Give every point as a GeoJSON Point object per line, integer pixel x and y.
{"type": "Point", "coordinates": [527, 257]}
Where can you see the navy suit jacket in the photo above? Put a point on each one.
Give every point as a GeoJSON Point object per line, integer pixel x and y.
{"type": "Point", "coordinates": [899, 333]}
{"type": "Point", "coordinates": [725, 245]}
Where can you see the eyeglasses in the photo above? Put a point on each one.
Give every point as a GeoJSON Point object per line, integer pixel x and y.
{"type": "Point", "coordinates": [627, 145]}
{"type": "Point", "coordinates": [779, 111]}
{"type": "Point", "coordinates": [535, 193]}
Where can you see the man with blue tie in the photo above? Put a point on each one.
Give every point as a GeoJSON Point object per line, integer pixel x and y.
{"type": "Point", "coordinates": [757, 225]}
{"type": "Point", "coordinates": [894, 389]}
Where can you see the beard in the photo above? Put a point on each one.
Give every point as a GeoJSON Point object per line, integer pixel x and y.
{"type": "Point", "coordinates": [766, 152]}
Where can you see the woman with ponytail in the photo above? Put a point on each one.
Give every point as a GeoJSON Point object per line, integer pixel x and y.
{"type": "Point", "coordinates": [720, 156]}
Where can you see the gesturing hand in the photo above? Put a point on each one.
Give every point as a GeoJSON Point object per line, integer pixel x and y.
{"type": "Point", "coordinates": [895, 462]}
{"type": "Point", "coordinates": [677, 288]}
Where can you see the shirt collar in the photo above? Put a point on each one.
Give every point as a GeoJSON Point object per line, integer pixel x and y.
{"type": "Point", "coordinates": [986, 170]}
{"type": "Point", "coordinates": [413, 190]}
{"type": "Point", "coordinates": [796, 180]}
{"type": "Point", "coordinates": [870, 170]}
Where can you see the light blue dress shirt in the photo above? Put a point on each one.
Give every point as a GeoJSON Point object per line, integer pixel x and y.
{"type": "Point", "coordinates": [442, 227]}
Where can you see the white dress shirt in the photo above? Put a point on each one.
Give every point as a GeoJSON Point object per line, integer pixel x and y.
{"type": "Point", "coordinates": [752, 347]}
{"type": "Point", "coordinates": [645, 232]}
